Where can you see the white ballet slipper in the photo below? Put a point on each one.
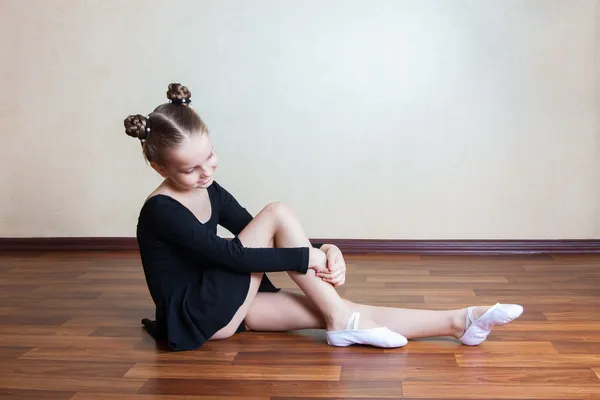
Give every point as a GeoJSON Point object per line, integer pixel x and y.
{"type": "Point", "coordinates": [480, 328]}
{"type": "Point", "coordinates": [377, 337]}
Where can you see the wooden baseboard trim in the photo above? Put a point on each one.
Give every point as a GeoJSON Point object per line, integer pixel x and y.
{"type": "Point", "coordinates": [69, 244]}
{"type": "Point", "coordinates": [469, 247]}
{"type": "Point", "coordinates": [350, 246]}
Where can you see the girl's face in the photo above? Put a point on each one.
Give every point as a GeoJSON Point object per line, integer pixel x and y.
{"type": "Point", "coordinates": [191, 165]}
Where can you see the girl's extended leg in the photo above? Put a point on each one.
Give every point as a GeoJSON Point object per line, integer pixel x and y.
{"type": "Point", "coordinates": [285, 311]}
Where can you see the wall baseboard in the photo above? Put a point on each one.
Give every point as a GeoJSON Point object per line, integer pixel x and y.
{"type": "Point", "coordinates": [69, 244]}
{"type": "Point", "coordinates": [469, 247]}
{"type": "Point", "coordinates": [350, 246]}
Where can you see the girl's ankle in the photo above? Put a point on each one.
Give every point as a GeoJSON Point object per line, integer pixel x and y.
{"type": "Point", "coordinates": [458, 322]}
{"type": "Point", "coordinates": [337, 320]}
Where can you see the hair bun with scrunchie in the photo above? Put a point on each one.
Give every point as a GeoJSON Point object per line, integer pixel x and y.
{"type": "Point", "coordinates": [179, 94]}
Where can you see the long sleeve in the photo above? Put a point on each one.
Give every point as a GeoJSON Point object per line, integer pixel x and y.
{"type": "Point", "coordinates": [172, 222]}
{"type": "Point", "coordinates": [232, 216]}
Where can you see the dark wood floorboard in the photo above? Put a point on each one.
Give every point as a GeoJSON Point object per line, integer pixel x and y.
{"type": "Point", "coordinates": [70, 329]}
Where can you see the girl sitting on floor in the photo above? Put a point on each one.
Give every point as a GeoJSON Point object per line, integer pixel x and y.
{"type": "Point", "coordinates": [207, 288]}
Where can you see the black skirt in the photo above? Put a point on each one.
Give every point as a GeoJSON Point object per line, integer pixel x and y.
{"type": "Point", "coordinates": [192, 315]}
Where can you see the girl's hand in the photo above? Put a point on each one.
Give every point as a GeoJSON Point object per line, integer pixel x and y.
{"type": "Point", "coordinates": [317, 260]}
{"type": "Point", "coordinates": [336, 267]}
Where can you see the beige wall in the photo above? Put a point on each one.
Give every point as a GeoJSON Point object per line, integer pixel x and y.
{"type": "Point", "coordinates": [372, 119]}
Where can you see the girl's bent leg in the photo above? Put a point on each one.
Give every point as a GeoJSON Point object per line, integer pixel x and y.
{"type": "Point", "coordinates": [276, 226]}
{"type": "Point", "coordinates": [266, 230]}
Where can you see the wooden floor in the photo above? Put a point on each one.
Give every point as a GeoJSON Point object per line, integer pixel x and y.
{"type": "Point", "coordinates": [70, 329]}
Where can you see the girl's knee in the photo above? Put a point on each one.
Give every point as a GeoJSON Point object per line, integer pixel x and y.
{"type": "Point", "coordinates": [278, 210]}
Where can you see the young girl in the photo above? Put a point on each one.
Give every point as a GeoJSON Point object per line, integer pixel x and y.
{"type": "Point", "coordinates": [207, 288]}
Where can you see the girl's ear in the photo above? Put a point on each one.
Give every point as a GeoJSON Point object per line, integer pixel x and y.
{"type": "Point", "coordinates": [160, 169]}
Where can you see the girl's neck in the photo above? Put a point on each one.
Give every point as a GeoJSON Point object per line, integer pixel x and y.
{"type": "Point", "coordinates": [173, 188]}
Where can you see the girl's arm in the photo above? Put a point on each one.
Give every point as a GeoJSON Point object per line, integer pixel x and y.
{"type": "Point", "coordinates": [172, 222]}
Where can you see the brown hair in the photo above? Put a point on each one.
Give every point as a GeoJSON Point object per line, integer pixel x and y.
{"type": "Point", "coordinates": [167, 125]}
